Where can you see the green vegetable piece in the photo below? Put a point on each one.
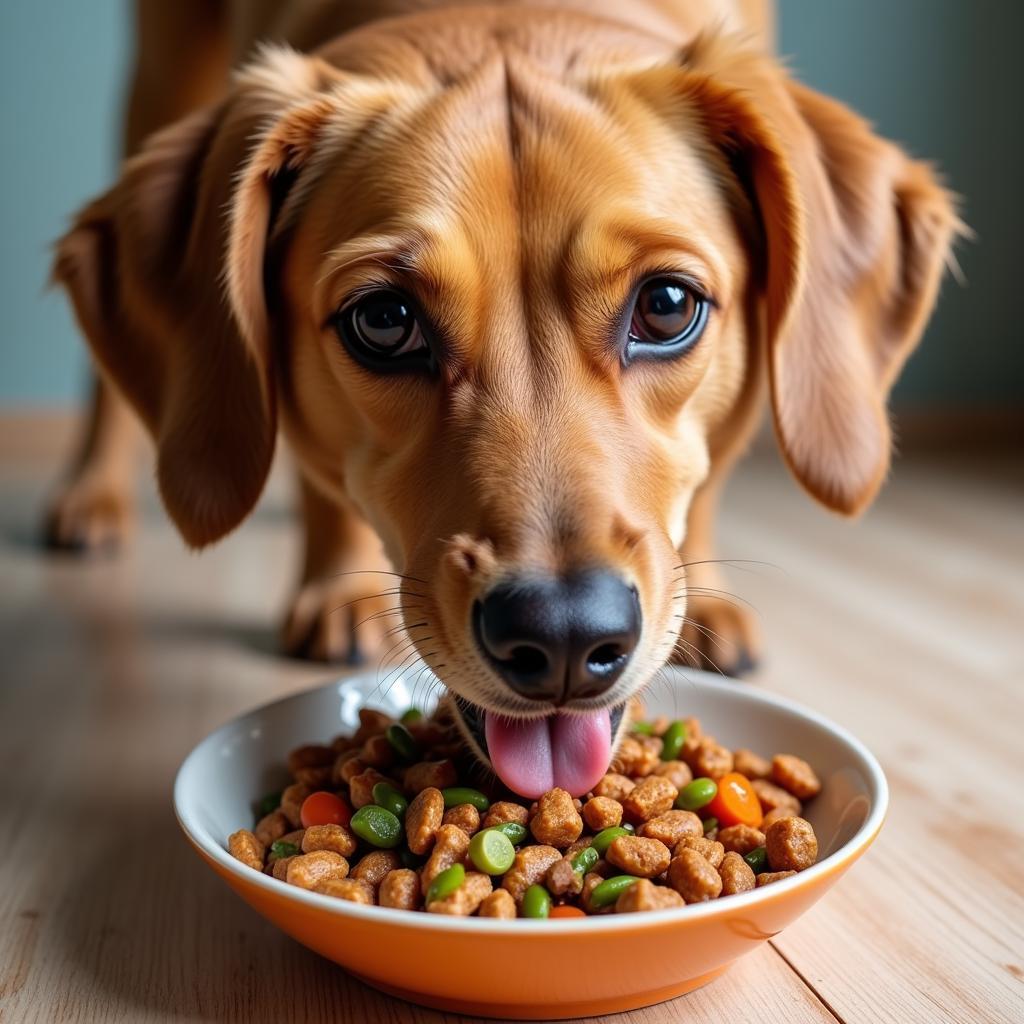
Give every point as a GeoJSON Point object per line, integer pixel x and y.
{"type": "Point", "coordinates": [455, 795]}
{"type": "Point", "coordinates": [377, 826]}
{"type": "Point", "coordinates": [401, 739]}
{"type": "Point", "coordinates": [491, 852]}
{"type": "Point", "coordinates": [605, 837]}
{"type": "Point", "coordinates": [411, 715]}
{"type": "Point", "coordinates": [585, 860]}
{"type": "Point", "coordinates": [607, 892]}
{"type": "Point", "coordinates": [280, 850]}
{"type": "Point", "coordinates": [445, 883]}
{"type": "Point", "coordinates": [515, 832]}
{"type": "Point", "coordinates": [757, 859]}
{"type": "Point", "coordinates": [672, 741]}
{"type": "Point", "coordinates": [385, 795]}
{"type": "Point", "coordinates": [643, 728]}
{"type": "Point", "coordinates": [536, 902]}
{"type": "Point", "coordinates": [269, 803]}
{"type": "Point", "coordinates": [709, 824]}
{"type": "Point", "coordinates": [697, 794]}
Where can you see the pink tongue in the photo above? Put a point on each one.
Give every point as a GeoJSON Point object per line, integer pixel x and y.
{"type": "Point", "coordinates": [568, 751]}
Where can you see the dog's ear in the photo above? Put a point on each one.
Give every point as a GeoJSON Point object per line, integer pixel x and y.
{"type": "Point", "coordinates": [855, 236]}
{"type": "Point", "coordinates": [165, 272]}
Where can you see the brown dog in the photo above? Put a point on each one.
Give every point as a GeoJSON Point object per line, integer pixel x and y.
{"type": "Point", "coordinates": [512, 278]}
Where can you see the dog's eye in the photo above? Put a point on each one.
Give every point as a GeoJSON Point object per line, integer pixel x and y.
{"type": "Point", "coordinates": [668, 318]}
{"type": "Point", "coordinates": [381, 329]}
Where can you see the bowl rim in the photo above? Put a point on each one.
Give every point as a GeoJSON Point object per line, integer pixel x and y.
{"type": "Point", "coordinates": [596, 924]}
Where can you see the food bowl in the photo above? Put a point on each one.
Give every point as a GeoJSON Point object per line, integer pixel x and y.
{"type": "Point", "coordinates": [526, 969]}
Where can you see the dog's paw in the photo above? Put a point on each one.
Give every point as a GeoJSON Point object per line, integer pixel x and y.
{"type": "Point", "coordinates": [344, 619]}
{"type": "Point", "coordinates": [89, 515]}
{"type": "Point", "coordinates": [719, 635]}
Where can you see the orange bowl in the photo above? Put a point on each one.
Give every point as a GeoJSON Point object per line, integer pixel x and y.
{"type": "Point", "coordinates": [538, 970]}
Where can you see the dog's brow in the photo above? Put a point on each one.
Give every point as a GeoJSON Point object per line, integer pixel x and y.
{"type": "Point", "coordinates": [397, 256]}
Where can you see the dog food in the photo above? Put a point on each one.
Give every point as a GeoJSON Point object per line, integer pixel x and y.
{"type": "Point", "coordinates": [386, 817]}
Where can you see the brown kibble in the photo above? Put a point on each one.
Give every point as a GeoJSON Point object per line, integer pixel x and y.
{"type": "Point", "coordinates": [651, 797]}
{"type": "Point", "coordinates": [693, 877]}
{"type": "Point", "coordinates": [374, 867]}
{"type": "Point", "coordinates": [645, 858]}
{"type": "Point", "coordinates": [645, 895]}
{"type": "Point", "coordinates": [795, 776]}
{"type": "Point", "coordinates": [712, 759]}
{"type": "Point", "coordinates": [338, 775]}
{"type": "Point", "coordinates": [529, 868]}
{"type": "Point", "coordinates": [740, 839]}
{"type": "Point", "coordinates": [590, 882]}
{"type": "Point", "coordinates": [775, 814]}
{"type": "Point", "coordinates": [310, 756]}
{"type": "Point", "coordinates": [628, 756]}
{"type": "Point", "coordinates": [767, 877]}
{"type": "Point", "coordinates": [650, 755]}
{"type": "Point", "coordinates": [315, 778]}
{"type": "Point", "coordinates": [279, 867]}
{"type": "Point", "coordinates": [371, 722]}
{"type": "Point", "coordinates": [423, 818]}
{"type": "Point", "coordinates": [464, 816]}
{"type": "Point", "coordinates": [295, 838]}
{"type": "Point", "coordinates": [557, 822]}
{"type": "Point", "coordinates": [244, 846]}
{"type": "Point", "coordinates": [671, 826]}
{"type": "Point", "coordinates": [308, 870]}
{"type": "Point", "coordinates": [350, 768]}
{"type": "Point", "coordinates": [736, 874]}
{"type": "Point", "coordinates": [377, 752]}
{"type": "Point", "coordinates": [709, 849]}
{"type": "Point", "coordinates": [499, 904]}
{"type": "Point", "coordinates": [504, 810]}
{"type": "Point", "coordinates": [751, 765]}
{"type": "Point", "coordinates": [360, 787]}
{"type": "Point", "coordinates": [562, 880]}
{"type": "Point", "coordinates": [438, 774]}
{"type": "Point", "coordinates": [292, 800]}
{"type": "Point", "coordinates": [400, 888]}
{"type": "Point", "coordinates": [351, 889]}
{"type": "Point", "coordinates": [772, 797]}
{"type": "Point", "coordinates": [677, 772]}
{"type": "Point", "coordinates": [466, 899]}
{"type": "Point", "coordinates": [271, 827]}
{"type": "Point", "coordinates": [602, 812]}
{"type": "Point", "coordinates": [329, 837]}
{"type": "Point", "coordinates": [791, 845]}
{"type": "Point", "coordinates": [614, 786]}
{"type": "Point", "coordinates": [450, 847]}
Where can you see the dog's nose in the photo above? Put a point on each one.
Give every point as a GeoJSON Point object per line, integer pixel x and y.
{"type": "Point", "coordinates": [558, 639]}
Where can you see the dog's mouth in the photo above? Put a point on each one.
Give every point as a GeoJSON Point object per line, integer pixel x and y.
{"type": "Point", "coordinates": [568, 750]}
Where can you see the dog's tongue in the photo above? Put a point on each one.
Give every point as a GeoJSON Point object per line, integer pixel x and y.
{"type": "Point", "coordinates": [568, 751]}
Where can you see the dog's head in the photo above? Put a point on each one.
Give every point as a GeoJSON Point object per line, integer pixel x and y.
{"type": "Point", "coordinates": [509, 286]}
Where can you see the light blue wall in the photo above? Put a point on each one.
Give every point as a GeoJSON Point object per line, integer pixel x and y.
{"type": "Point", "coordinates": [942, 76]}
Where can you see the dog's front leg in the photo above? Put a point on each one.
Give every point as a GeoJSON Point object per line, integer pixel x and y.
{"type": "Point", "coordinates": [348, 599]}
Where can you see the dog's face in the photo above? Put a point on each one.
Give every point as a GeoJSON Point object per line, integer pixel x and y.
{"type": "Point", "coordinates": [514, 305]}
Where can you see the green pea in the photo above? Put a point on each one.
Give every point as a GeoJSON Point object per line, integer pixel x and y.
{"type": "Point", "coordinates": [269, 803]}
{"type": "Point", "coordinates": [605, 893]}
{"type": "Point", "coordinates": [672, 741]}
{"type": "Point", "coordinates": [605, 837]}
{"type": "Point", "coordinates": [585, 860]}
{"type": "Point", "coordinates": [512, 830]}
{"type": "Point", "coordinates": [491, 852]}
{"type": "Point", "coordinates": [279, 850]}
{"type": "Point", "coordinates": [401, 739]}
{"type": "Point", "coordinates": [411, 715]}
{"type": "Point", "coordinates": [377, 826]}
{"type": "Point", "coordinates": [445, 883]}
{"type": "Point", "coordinates": [696, 794]}
{"type": "Point", "coordinates": [710, 824]}
{"type": "Point", "coordinates": [757, 859]}
{"type": "Point", "coordinates": [536, 902]}
{"type": "Point", "coordinates": [643, 728]}
{"type": "Point", "coordinates": [385, 795]}
{"type": "Point", "coordinates": [410, 860]}
{"type": "Point", "coordinates": [455, 795]}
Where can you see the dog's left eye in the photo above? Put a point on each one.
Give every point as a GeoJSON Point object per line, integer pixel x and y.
{"type": "Point", "coordinates": [668, 318]}
{"type": "Point", "coordinates": [382, 331]}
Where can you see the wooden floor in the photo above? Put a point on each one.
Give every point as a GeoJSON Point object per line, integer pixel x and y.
{"type": "Point", "coordinates": [906, 627]}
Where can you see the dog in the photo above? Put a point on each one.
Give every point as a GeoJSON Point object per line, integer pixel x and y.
{"type": "Point", "coordinates": [513, 279]}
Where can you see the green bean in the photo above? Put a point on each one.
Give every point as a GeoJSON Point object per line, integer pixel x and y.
{"type": "Point", "coordinates": [411, 716]}
{"type": "Point", "coordinates": [377, 826]}
{"type": "Point", "coordinates": [512, 830]}
{"type": "Point", "coordinates": [672, 741]}
{"type": "Point", "coordinates": [710, 824]}
{"type": "Point", "coordinates": [605, 837]}
{"type": "Point", "coordinates": [643, 728]}
{"type": "Point", "coordinates": [455, 795]}
{"type": "Point", "coordinates": [536, 902]}
{"type": "Point", "coordinates": [401, 739]}
{"type": "Point", "coordinates": [585, 860]}
{"type": "Point", "coordinates": [491, 852]}
{"type": "Point", "coordinates": [269, 803]}
{"type": "Point", "coordinates": [605, 893]}
{"type": "Point", "coordinates": [757, 859]}
{"type": "Point", "coordinates": [385, 795]}
{"type": "Point", "coordinates": [696, 794]}
{"type": "Point", "coordinates": [279, 850]}
{"type": "Point", "coordinates": [445, 883]}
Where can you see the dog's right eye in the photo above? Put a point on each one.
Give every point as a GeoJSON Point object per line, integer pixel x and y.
{"type": "Point", "coordinates": [382, 331]}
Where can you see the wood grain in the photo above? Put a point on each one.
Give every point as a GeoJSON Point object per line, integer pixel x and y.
{"type": "Point", "coordinates": [906, 627]}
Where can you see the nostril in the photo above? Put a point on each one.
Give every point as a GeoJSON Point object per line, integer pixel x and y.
{"type": "Point", "coordinates": [527, 660]}
{"type": "Point", "coordinates": [605, 658]}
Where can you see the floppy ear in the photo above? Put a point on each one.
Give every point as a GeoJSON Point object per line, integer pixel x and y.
{"type": "Point", "coordinates": [855, 238]}
{"type": "Point", "coordinates": [165, 272]}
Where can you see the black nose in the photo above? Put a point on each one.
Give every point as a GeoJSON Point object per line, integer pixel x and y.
{"type": "Point", "coordinates": [557, 639]}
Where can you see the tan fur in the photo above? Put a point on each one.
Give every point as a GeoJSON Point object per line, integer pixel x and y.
{"type": "Point", "coordinates": [518, 168]}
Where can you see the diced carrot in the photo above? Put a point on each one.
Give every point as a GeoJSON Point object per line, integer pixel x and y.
{"type": "Point", "coordinates": [735, 803]}
{"type": "Point", "coordinates": [323, 808]}
{"type": "Point", "coordinates": [566, 911]}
